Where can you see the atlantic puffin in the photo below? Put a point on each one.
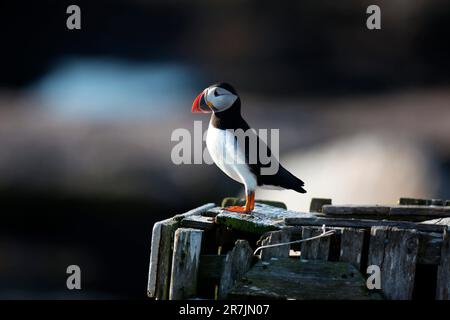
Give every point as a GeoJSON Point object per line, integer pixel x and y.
{"type": "Point", "coordinates": [231, 154]}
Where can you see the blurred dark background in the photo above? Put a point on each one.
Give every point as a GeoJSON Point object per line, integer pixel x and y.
{"type": "Point", "coordinates": [86, 118]}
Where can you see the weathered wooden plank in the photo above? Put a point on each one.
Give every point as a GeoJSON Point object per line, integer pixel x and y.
{"type": "Point", "coordinates": [161, 252]}
{"type": "Point", "coordinates": [413, 201]}
{"type": "Point", "coordinates": [164, 262]}
{"type": "Point", "coordinates": [426, 211]}
{"type": "Point", "coordinates": [361, 223]}
{"type": "Point", "coordinates": [237, 262]}
{"type": "Point", "coordinates": [395, 252]}
{"type": "Point", "coordinates": [185, 262]}
{"type": "Point", "coordinates": [356, 210]}
{"type": "Point", "coordinates": [263, 219]}
{"type": "Point", "coordinates": [317, 204]}
{"type": "Point", "coordinates": [153, 269]}
{"type": "Point", "coordinates": [318, 249]}
{"type": "Point", "coordinates": [443, 276]}
{"type": "Point", "coordinates": [275, 237]}
{"type": "Point", "coordinates": [305, 280]}
{"type": "Point", "coordinates": [195, 212]}
{"type": "Point", "coordinates": [402, 212]}
{"type": "Point", "coordinates": [352, 241]}
{"type": "Point", "coordinates": [198, 222]}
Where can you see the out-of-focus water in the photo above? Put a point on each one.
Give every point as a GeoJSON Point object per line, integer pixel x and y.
{"type": "Point", "coordinates": [114, 89]}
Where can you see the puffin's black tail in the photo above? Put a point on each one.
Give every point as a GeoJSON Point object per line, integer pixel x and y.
{"type": "Point", "coordinates": [294, 183]}
{"type": "Point", "coordinates": [284, 179]}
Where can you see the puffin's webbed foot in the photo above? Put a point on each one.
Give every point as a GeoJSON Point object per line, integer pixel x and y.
{"type": "Point", "coordinates": [238, 209]}
{"type": "Point", "coordinates": [249, 205]}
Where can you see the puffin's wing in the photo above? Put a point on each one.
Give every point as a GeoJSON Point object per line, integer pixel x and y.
{"type": "Point", "coordinates": [264, 160]}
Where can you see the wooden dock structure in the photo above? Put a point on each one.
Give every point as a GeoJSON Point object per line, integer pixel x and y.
{"type": "Point", "coordinates": [209, 253]}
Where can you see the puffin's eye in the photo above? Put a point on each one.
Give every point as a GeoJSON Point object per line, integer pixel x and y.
{"type": "Point", "coordinates": [216, 94]}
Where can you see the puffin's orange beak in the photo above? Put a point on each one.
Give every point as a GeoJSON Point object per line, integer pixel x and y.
{"type": "Point", "coordinates": [199, 105]}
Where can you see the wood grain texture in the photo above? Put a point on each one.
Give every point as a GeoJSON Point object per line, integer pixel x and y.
{"type": "Point", "coordinates": [275, 237]}
{"type": "Point", "coordinates": [164, 263]}
{"type": "Point", "coordinates": [356, 210]}
{"type": "Point", "coordinates": [185, 262]}
{"type": "Point", "coordinates": [154, 253]}
{"type": "Point", "coordinates": [395, 252]}
{"type": "Point", "coordinates": [317, 249]}
{"type": "Point", "coordinates": [352, 241]}
{"type": "Point", "coordinates": [161, 252]}
{"type": "Point", "coordinates": [301, 280]}
{"type": "Point", "coordinates": [415, 213]}
{"type": "Point", "coordinates": [237, 262]}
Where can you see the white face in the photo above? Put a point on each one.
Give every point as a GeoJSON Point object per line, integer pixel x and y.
{"type": "Point", "coordinates": [219, 99]}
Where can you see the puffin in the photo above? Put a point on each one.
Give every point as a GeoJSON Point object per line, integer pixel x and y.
{"type": "Point", "coordinates": [239, 158]}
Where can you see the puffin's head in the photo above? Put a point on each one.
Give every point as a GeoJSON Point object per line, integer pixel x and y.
{"type": "Point", "coordinates": [216, 98]}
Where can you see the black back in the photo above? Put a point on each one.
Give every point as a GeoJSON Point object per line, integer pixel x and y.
{"type": "Point", "coordinates": [231, 119]}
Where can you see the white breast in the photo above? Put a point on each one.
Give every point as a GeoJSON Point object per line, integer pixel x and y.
{"type": "Point", "coordinates": [228, 157]}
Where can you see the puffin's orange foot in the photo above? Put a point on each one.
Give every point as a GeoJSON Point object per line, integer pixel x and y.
{"type": "Point", "coordinates": [238, 209]}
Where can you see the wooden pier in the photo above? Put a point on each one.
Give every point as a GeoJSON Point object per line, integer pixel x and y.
{"type": "Point", "coordinates": [208, 253]}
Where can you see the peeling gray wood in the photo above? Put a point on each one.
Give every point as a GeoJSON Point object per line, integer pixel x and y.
{"type": "Point", "coordinates": [164, 262]}
{"type": "Point", "coordinates": [185, 262]}
{"type": "Point", "coordinates": [160, 259]}
{"type": "Point", "coordinates": [152, 274]}
{"type": "Point", "coordinates": [395, 252]}
{"type": "Point", "coordinates": [237, 263]}
{"type": "Point", "coordinates": [275, 237]}
{"type": "Point", "coordinates": [356, 210]}
{"type": "Point", "coordinates": [443, 276]}
{"type": "Point", "coordinates": [161, 252]}
{"type": "Point", "coordinates": [301, 280]}
{"type": "Point", "coordinates": [195, 212]}
{"type": "Point", "coordinates": [375, 211]}
{"type": "Point", "coordinates": [317, 249]}
{"type": "Point", "coordinates": [352, 241]}
{"type": "Point", "coordinates": [426, 211]}
{"type": "Point", "coordinates": [361, 223]}
{"type": "Point", "coordinates": [317, 204]}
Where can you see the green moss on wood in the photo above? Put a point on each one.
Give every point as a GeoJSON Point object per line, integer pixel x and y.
{"type": "Point", "coordinates": [263, 219]}
{"type": "Point", "coordinates": [245, 223]}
